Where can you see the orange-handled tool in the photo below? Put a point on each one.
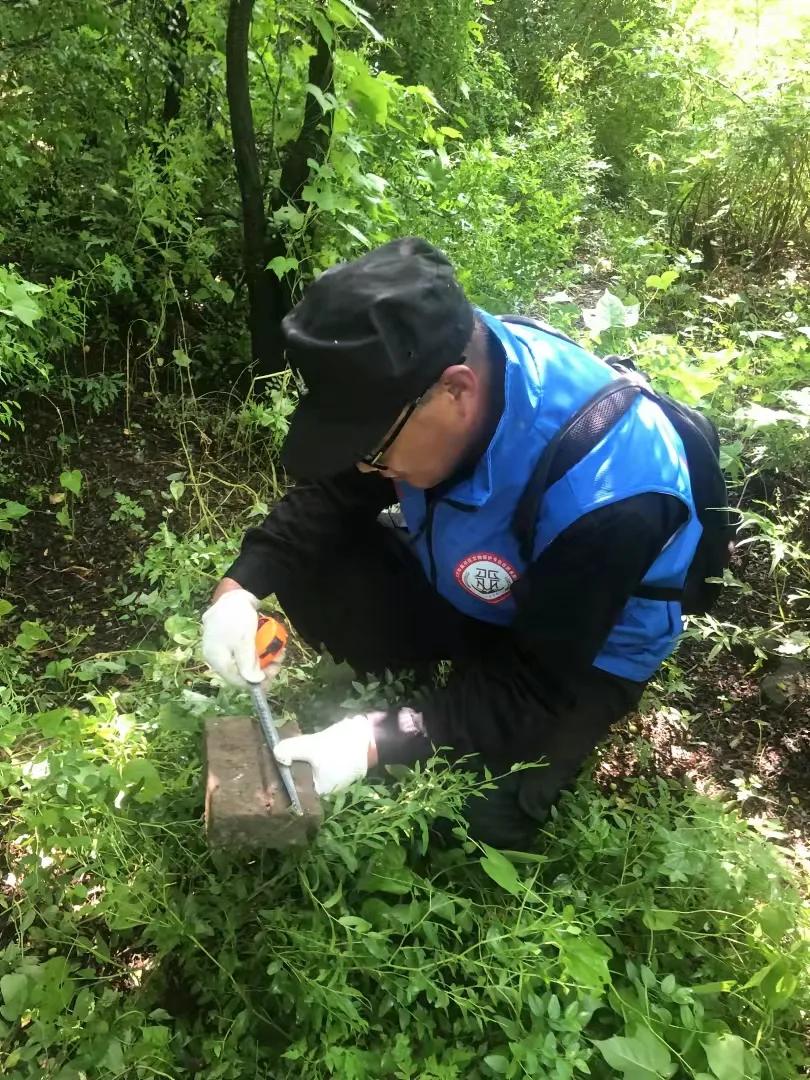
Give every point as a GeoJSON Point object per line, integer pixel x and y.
{"type": "Point", "coordinates": [271, 640]}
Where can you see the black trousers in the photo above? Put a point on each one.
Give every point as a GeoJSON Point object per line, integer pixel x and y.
{"type": "Point", "coordinates": [368, 602]}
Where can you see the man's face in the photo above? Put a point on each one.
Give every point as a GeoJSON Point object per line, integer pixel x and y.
{"type": "Point", "coordinates": [438, 432]}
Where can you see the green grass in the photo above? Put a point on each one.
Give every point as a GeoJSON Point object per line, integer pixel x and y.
{"type": "Point", "coordinates": [622, 152]}
{"type": "Point", "coordinates": [652, 934]}
{"type": "Point", "coordinates": [654, 927]}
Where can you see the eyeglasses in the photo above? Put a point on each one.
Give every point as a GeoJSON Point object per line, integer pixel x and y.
{"type": "Point", "coordinates": [374, 460]}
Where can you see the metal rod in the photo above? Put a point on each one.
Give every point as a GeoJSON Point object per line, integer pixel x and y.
{"type": "Point", "coordinates": [265, 718]}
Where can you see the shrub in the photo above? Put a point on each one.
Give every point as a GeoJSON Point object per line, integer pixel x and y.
{"type": "Point", "coordinates": [506, 211]}
{"type": "Point", "coordinates": [35, 322]}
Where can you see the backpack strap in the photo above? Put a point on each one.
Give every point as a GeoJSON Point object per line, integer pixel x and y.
{"type": "Point", "coordinates": [575, 439]}
{"type": "Point", "coordinates": [658, 592]}
{"type": "Point", "coordinates": [587, 427]}
{"type": "Point", "coordinates": [570, 444]}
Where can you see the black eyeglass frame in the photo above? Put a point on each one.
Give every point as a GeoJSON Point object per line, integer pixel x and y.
{"type": "Point", "coordinates": [374, 460]}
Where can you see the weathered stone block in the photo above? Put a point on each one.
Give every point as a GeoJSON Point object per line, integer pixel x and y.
{"type": "Point", "coordinates": [246, 806]}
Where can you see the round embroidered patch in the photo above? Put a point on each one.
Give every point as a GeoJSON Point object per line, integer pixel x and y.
{"type": "Point", "coordinates": [486, 576]}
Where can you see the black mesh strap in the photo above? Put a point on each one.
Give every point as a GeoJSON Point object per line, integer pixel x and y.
{"type": "Point", "coordinates": [572, 442]}
{"type": "Point", "coordinates": [577, 438]}
{"type": "Point", "coordinates": [589, 426]}
{"type": "Point", "coordinates": [657, 592]}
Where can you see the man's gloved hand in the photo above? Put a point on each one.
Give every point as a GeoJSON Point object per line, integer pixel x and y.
{"type": "Point", "coordinates": [339, 754]}
{"type": "Point", "coordinates": [229, 639]}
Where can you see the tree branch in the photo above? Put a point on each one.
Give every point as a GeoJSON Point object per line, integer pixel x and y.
{"type": "Point", "coordinates": [267, 301]}
{"type": "Point", "coordinates": [176, 35]}
{"type": "Point", "coordinates": [242, 129]}
{"type": "Point", "coordinates": [316, 131]}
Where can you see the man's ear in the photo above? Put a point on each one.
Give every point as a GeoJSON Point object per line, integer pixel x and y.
{"type": "Point", "coordinates": [459, 379]}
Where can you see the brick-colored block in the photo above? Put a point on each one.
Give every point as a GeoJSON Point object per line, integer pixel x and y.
{"type": "Point", "coordinates": [246, 806]}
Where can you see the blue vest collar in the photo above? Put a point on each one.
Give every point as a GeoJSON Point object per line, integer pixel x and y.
{"type": "Point", "coordinates": [521, 396]}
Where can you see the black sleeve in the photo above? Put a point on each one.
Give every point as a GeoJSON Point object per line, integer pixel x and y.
{"type": "Point", "coordinates": [571, 597]}
{"type": "Point", "coordinates": [567, 603]}
{"type": "Point", "coordinates": [306, 524]}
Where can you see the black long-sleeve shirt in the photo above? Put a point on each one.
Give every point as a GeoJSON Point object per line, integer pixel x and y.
{"type": "Point", "coordinates": [567, 602]}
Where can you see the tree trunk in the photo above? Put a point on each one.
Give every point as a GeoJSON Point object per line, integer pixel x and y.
{"type": "Point", "coordinates": [313, 138]}
{"type": "Point", "coordinates": [175, 32]}
{"type": "Point", "coordinates": [264, 289]}
{"type": "Point", "coordinates": [311, 144]}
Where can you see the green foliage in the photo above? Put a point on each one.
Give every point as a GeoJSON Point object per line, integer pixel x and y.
{"type": "Point", "coordinates": [738, 180]}
{"type": "Point", "coordinates": [449, 47]}
{"type": "Point", "coordinates": [269, 414]}
{"type": "Point", "coordinates": [35, 323]}
{"type": "Point", "coordinates": [652, 933]}
{"type": "Point", "coordinates": [610, 57]}
{"type": "Point", "coordinates": [648, 933]}
{"type": "Point", "coordinates": [507, 211]}
{"type": "Point", "coordinates": [99, 392]}
{"type": "Point", "coordinates": [128, 511]}
{"type": "Point", "coordinates": [10, 512]}
{"type": "Point", "coordinates": [488, 128]}
{"type": "Point", "coordinates": [610, 313]}
{"type": "Point", "coordinates": [71, 480]}
{"type": "Point", "coordinates": [182, 571]}
{"type": "Point", "coordinates": [100, 186]}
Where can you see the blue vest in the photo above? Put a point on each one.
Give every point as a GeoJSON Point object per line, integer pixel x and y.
{"type": "Point", "coordinates": [465, 539]}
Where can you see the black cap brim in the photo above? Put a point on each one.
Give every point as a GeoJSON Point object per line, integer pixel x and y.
{"type": "Point", "coordinates": [319, 445]}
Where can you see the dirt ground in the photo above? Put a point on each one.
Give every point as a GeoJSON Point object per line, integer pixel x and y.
{"type": "Point", "coordinates": [715, 727]}
{"type": "Point", "coordinates": [723, 726]}
{"type": "Point", "coordinates": [76, 582]}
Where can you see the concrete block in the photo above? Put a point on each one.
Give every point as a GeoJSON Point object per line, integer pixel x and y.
{"type": "Point", "coordinates": [246, 806]}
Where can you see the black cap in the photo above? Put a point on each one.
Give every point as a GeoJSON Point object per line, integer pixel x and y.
{"type": "Point", "coordinates": [368, 337]}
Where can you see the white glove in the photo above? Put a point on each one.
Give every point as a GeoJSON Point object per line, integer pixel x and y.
{"type": "Point", "coordinates": [229, 638]}
{"type": "Point", "coordinates": [338, 754]}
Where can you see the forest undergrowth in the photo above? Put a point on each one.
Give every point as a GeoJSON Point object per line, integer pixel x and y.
{"type": "Point", "coordinates": [643, 185]}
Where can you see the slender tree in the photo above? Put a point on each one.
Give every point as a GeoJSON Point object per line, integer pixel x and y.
{"type": "Point", "coordinates": [176, 36]}
{"type": "Point", "coordinates": [269, 297]}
